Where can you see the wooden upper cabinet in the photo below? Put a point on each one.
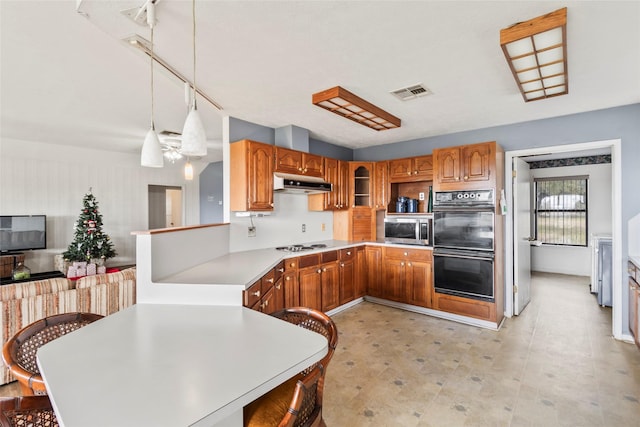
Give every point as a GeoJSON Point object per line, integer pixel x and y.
{"type": "Point", "coordinates": [400, 169]}
{"type": "Point", "coordinates": [381, 185]}
{"type": "Point", "coordinates": [361, 186]}
{"type": "Point", "coordinates": [312, 165]}
{"type": "Point", "coordinates": [411, 169]}
{"type": "Point", "coordinates": [336, 172]}
{"type": "Point", "coordinates": [298, 162]}
{"type": "Point", "coordinates": [476, 162]}
{"type": "Point", "coordinates": [251, 176]}
{"type": "Point", "coordinates": [423, 167]}
{"type": "Point", "coordinates": [466, 167]}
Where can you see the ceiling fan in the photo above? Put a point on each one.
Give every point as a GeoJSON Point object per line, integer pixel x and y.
{"type": "Point", "coordinates": [171, 142]}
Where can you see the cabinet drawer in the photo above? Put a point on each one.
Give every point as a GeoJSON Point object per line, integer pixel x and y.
{"type": "Point", "coordinates": [290, 264]}
{"type": "Point", "coordinates": [347, 254]}
{"type": "Point", "coordinates": [268, 280]}
{"type": "Point", "coordinates": [308, 260]}
{"type": "Point", "coordinates": [329, 256]}
{"type": "Point", "coordinates": [413, 254]}
{"type": "Point", "coordinates": [253, 294]}
{"type": "Point", "coordinates": [278, 270]}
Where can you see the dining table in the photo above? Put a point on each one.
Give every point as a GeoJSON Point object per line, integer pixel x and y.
{"type": "Point", "coordinates": [172, 365]}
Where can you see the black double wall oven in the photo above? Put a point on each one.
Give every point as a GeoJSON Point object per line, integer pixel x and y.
{"type": "Point", "coordinates": [463, 239]}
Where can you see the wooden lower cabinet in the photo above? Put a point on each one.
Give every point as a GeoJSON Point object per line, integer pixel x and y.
{"type": "Point", "coordinates": [347, 280]}
{"type": "Point", "coordinates": [634, 301]}
{"type": "Point", "coordinates": [310, 285]}
{"type": "Point", "coordinates": [465, 307]}
{"type": "Point", "coordinates": [407, 276]}
{"type": "Point", "coordinates": [360, 287]}
{"type": "Point", "coordinates": [330, 285]}
{"type": "Point", "coordinates": [373, 261]}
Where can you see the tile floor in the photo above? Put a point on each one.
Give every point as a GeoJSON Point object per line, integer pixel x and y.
{"type": "Point", "coordinates": [554, 365]}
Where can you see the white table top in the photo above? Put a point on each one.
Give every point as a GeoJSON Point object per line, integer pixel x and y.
{"type": "Point", "coordinates": [172, 365]}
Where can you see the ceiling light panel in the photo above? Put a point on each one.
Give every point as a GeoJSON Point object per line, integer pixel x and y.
{"type": "Point", "coordinates": [536, 51]}
{"type": "Point", "coordinates": [344, 103]}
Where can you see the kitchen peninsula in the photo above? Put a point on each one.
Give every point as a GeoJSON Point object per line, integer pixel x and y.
{"type": "Point", "coordinates": [192, 265]}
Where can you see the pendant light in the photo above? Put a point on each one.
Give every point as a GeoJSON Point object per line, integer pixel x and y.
{"type": "Point", "coordinates": [188, 171]}
{"type": "Point", "coordinates": [194, 140]}
{"type": "Point", "coordinates": [151, 155]}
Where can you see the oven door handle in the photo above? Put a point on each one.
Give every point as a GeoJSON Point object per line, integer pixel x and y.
{"type": "Point", "coordinates": [448, 255]}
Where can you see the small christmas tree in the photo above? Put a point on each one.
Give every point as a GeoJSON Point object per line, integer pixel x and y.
{"type": "Point", "coordinates": [89, 241]}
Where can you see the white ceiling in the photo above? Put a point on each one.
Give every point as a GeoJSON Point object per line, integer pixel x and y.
{"type": "Point", "coordinates": [67, 78]}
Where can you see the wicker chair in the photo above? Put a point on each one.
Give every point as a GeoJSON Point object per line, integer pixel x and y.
{"type": "Point", "coordinates": [32, 411]}
{"type": "Point", "coordinates": [298, 401]}
{"type": "Point", "coordinates": [19, 353]}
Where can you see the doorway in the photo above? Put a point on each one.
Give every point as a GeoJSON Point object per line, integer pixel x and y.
{"type": "Point", "coordinates": [165, 206]}
{"type": "Point", "coordinates": [512, 223]}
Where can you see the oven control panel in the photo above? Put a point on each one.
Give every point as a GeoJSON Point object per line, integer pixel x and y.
{"type": "Point", "coordinates": [464, 198]}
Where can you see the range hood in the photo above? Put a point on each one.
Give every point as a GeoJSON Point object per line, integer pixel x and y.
{"type": "Point", "coordinates": [299, 184]}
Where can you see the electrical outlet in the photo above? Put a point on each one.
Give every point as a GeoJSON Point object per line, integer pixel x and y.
{"type": "Point", "coordinates": [304, 228]}
{"type": "Point", "coordinates": [323, 226]}
{"type": "Point", "coordinates": [421, 196]}
{"type": "Point", "coordinates": [252, 232]}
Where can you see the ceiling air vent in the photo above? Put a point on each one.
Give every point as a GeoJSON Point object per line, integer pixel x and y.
{"type": "Point", "coordinates": [411, 92]}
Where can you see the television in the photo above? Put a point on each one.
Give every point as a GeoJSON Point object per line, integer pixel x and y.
{"type": "Point", "coordinates": [22, 233]}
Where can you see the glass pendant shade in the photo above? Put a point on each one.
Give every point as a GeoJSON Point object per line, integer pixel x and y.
{"type": "Point", "coordinates": [188, 171]}
{"type": "Point", "coordinates": [151, 155]}
{"type": "Point", "coordinates": [194, 140]}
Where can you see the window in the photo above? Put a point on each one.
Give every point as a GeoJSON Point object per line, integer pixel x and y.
{"type": "Point", "coordinates": [561, 210]}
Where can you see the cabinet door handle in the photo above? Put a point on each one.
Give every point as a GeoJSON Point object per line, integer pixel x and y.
{"type": "Point", "coordinates": [348, 252]}
{"type": "Point", "coordinates": [256, 294]}
{"type": "Point", "coordinates": [408, 264]}
{"type": "Point", "coordinates": [324, 269]}
{"type": "Point", "coordinates": [278, 286]}
{"type": "Point", "coordinates": [319, 271]}
{"type": "Point", "coordinates": [406, 253]}
{"type": "Point", "coordinates": [281, 270]}
{"type": "Point", "coordinates": [408, 172]}
{"type": "Point", "coordinates": [293, 264]}
{"type": "Point", "coordinates": [342, 264]}
{"type": "Point", "coordinates": [466, 177]}
{"type": "Point", "coordinates": [402, 264]}
{"type": "Point", "coordinates": [270, 280]}
{"type": "Point", "coordinates": [415, 172]}
{"type": "Point", "coordinates": [287, 278]}
{"type": "Point", "coordinates": [457, 178]}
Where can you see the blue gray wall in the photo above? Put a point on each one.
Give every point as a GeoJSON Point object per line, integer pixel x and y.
{"type": "Point", "coordinates": [211, 194]}
{"type": "Point", "coordinates": [241, 129]}
{"type": "Point", "coordinates": [329, 150]}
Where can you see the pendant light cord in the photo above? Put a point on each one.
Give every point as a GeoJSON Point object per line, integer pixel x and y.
{"type": "Point", "coordinates": [153, 126]}
{"type": "Point", "coordinates": [193, 15]}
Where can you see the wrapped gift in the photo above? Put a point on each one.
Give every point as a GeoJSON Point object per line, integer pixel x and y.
{"type": "Point", "coordinates": [91, 269]}
{"type": "Point", "coordinates": [72, 272]}
{"type": "Point", "coordinates": [101, 269]}
{"type": "Point", "coordinates": [80, 264]}
{"type": "Point", "coordinates": [82, 271]}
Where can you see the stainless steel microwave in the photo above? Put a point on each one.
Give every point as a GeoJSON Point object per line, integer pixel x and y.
{"type": "Point", "coordinates": [410, 230]}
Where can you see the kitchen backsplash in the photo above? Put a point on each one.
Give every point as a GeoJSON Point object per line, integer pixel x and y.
{"type": "Point", "coordinates": [283, 226]}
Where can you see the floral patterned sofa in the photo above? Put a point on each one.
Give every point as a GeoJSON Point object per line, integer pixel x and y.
{"type": "Point", "coordinates": [24, 303]}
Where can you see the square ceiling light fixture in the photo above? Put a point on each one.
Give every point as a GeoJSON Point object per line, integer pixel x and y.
{"type": "Point", "coordinates": [536, 51]}
{"type": "Point", "coordinates": [344, 103]}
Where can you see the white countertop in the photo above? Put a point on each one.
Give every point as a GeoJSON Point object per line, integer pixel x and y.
{"type": "Point", "coordinates": [172, 365]}
{"type": "Point", "coordinates": [244, 268]}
